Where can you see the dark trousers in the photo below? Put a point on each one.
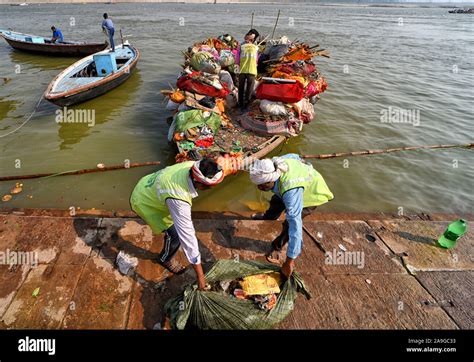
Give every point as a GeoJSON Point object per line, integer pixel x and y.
{"type": "Point", "coordinates": [170, 246]}
{"type": "Point", "coordinates": [246, 85]}
{"type": "Point", "coordinates": [277, 206]}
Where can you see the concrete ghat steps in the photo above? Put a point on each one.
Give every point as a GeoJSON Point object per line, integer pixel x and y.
{"type": "Point", "coordinates": [398, 279]}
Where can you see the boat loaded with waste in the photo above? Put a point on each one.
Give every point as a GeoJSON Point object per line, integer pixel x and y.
{"type": "Point", "coordinates": [205, 120]}
{"type": "Point", "coordinates": [39, 44]}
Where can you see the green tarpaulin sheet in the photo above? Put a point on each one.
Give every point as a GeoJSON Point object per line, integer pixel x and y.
{"type": "Point", "coordinates": [218, 310]}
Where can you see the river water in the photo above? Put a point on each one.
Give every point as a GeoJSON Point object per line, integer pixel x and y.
{"type": "Point", "coordinates": [416, 59]}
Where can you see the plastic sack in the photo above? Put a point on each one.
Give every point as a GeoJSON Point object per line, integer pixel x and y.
{"type": "Point", "coordinates": [226, 78]}
{"type": "Point", "coordinates": [272, 108]}
{"type": "Point", "coordinates": [217, 310]}
{"type": "Point", "coordinates": [277, 51]}
{"type": "Point", "coordinates": [226, 58]}
{"type": "Point", "coordinates": [205, 62]}
{"type": "Point", "coordinates": [281, 92]}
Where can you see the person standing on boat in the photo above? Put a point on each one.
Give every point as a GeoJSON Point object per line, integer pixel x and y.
{"type": "Point", "coordinates": [247, 60]}
{"type": "Point", "coordinates": [298, 189]}
{"type": "Point", "coordinates": [108, 28]}
{"type": "Point", "coordinates": [163, 200]}
{"type": "Point", "coordinates": [57, 35]}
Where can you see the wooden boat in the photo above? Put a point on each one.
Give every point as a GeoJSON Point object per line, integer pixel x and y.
{"type": "Point", "coordinates": [462, 11]}
{"type": "Point", "coordinates": [93, 76]}
{"type": "Point", "coordinates": [39, 44]}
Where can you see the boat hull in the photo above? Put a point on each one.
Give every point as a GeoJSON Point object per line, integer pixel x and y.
{"type": "Point", "coordinates": [76, 96]}
{"type": "Point", "coordinates": [57, 49]}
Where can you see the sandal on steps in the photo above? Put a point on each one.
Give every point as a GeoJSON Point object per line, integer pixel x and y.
{"type": "Point", "coordinates": [275, 257]}
{"type": "Point", "coordinates": [173, 266]}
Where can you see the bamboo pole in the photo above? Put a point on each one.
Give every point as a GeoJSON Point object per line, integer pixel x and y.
{"type": "Point", "coordinates": [251, 23]}
{"type": "Point", "coordinates": [276, 22]}
{"type": "Point", "coordinates": [79, 172]}
{"type": "Point", "coordinates": [388, 150]}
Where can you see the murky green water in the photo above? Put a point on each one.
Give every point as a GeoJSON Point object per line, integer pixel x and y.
{"type": "Point", "coordinates": [425, 62]}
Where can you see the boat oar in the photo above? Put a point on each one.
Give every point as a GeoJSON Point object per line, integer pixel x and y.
{"type": "Point", "coordinates": [79, 172]}
{"type": "Point", "coordinates": [388, 150]}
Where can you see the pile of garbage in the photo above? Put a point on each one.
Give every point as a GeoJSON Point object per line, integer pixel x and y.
{"type": "Point", "coordinates": [262, 289]}
{"type": "Point", "coordinates": [204, 101]}
{"type": "Point", "coordinates": [243, 295]}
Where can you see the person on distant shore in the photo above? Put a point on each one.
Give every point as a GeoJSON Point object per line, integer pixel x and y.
{"type": "Point", "coordinates": [247, 60]}
{"type": "Point", "coordinates": [108, 28]}
{"type": "Point", "coordinates": [163, 200]}
{"type": "Point", "coordinates": [298, 189]}
{"type": "Point", "coordinates": [57, 35]}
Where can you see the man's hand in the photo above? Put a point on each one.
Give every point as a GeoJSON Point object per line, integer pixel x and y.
{"type": "Point", "coordinates": [200, 276]}
{"type": "Point", "coordinates": [288, 267]}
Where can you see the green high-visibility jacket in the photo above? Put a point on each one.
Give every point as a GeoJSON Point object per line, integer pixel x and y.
{"type": "Point", "coordinates": [148, 198]}
{"type": "Point", "coordinates": [299, 174]}
{"type": "Point", "coordinates": [248, 58]}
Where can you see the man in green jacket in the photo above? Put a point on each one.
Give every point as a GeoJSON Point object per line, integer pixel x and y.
{"type": "Point", "coordinates": [298, 189]}
{"type": "Point", "coordinates": [163, 200]}
{"type": "Point", "coordinates": [247, 59]}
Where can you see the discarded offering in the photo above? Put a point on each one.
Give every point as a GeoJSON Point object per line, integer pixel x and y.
{"type": "Point", "coordinates": [205, 121]}
{"type": "Point", "coordinates": [243, 295]}
{"type": "Point", "coordinates": [126, 263]}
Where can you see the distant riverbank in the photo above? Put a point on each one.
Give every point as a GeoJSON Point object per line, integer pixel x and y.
{"type": "Point", "coordinates": [320, 3]}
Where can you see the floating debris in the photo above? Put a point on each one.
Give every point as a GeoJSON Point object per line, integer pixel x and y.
{"type": "Point", "coordinates": [16, 190]}
{"type": "Point", "coordinates": [101, 166]}
{"type": "Point", "coordinates": [6, 198]}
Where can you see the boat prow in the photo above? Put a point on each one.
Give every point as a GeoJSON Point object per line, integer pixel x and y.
{"type": "Point", "coordinates": [93, 76]}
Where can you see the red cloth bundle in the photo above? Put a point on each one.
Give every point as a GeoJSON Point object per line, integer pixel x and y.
{"type": "Point", "coordinates": [281, 92]}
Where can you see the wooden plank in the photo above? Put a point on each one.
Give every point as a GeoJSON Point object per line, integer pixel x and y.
{"type": "Point", "coordinates": [453, 291]}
